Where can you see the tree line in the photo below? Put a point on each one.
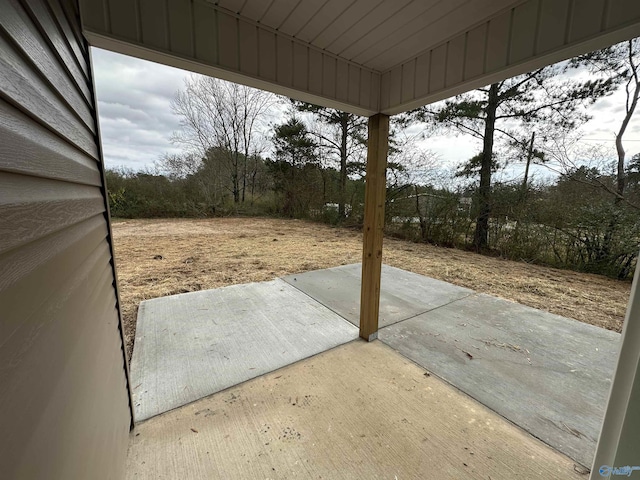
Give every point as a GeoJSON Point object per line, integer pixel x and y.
{"type": "Point", "coordinates": [250, 152]}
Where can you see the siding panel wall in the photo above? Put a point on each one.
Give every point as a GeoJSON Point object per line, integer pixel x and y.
{"type": "Point", "coordinates": [64, 404]}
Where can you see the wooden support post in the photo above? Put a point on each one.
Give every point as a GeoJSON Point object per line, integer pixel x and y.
{"type": "Point", "coordinates": [374, 199]}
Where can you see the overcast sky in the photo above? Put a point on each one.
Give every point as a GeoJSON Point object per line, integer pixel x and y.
{"type": "Point", "coordinates": [134, 98]}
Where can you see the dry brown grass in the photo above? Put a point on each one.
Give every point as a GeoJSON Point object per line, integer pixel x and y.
{"type": "Point", "coordinates": [164, 257]}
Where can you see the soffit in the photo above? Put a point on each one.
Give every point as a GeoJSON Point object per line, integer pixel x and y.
{"type": "Point", "coordinates": [377, 34]}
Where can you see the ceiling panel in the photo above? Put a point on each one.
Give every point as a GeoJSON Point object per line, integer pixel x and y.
{"type": "Point", "coordinates": [278, 12]}
{"type": "Point", "coordinates": [234, 6]}
{"type": "Point", "coordinates": [255, 9]}
{"type": "Point", "coordinates": [392, 24]}
{"type": "Point", "coordinates": [417, 25]}
{"type": "Point", "coordinates": [370, 22]}
{"type": "Point", "coordinates": [415, 37]}
{"type": "Point", "coordinates": [300, 15]}
{"type": "Point", "coordinates": [329, 12]}
{"type": "Point", "coordinates": [378, 34]}
{"type": "Point", "coordinates": [347, 20]}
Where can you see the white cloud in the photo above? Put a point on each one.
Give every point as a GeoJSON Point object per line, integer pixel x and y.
{"type": "Point", "coordinates": [134, 103]}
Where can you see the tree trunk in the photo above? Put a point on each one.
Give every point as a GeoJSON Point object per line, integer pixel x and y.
{"type": "Point", "coordinates": [236, 189]}
{"type": "Point", "coordinates": [523, 193]}
{"type": "Point", "coordinates": [632, 102]}
{"type": "Point", "coordinates": [529, 158]}
{"type": "Point", "coordinates": [344, 131]}
{"type": "Point", "coordinates": [244, 177]}
{"type": "Point", "coordinates": [254, 174]}
{"type": "Point", "coordinates": [235, 178]}
{"type": "Point", "coordinates": [604, 252]}
{"type": "Point", "coordinates": [421, 218]}
{"type": "Point", "coordinates": [291, 189]}
{"type": "Point", "coordinates": [481, 236]}
{"type": "Point", "coordinates": [323, 173]}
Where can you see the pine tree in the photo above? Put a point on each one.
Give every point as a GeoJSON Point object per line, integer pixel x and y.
{"type": "Point", "coordinates": [509, 108]}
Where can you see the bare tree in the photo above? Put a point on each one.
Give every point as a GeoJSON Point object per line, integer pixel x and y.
{"type": "Point", "coordinates": [618, 64]}
{"type": "Point", "coordinates": [568, 154]}
{"type": "Point", "coordinates": [176, 166]}
{"type": "Point", "coordinates": [226, 118]}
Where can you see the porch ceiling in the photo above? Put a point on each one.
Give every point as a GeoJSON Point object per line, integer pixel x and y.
{"type": "Point", "coordinates": [361, 56]}
{"type": "Point", "coordinates": [377, 34]}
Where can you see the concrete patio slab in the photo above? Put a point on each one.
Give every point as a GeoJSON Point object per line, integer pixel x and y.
{"type": "Point", "coordinates": [548, 374]}
{"type": "Point", "coordinates": [359, 411]}
{"type": "Point", "coordinates": [402, 294]}
{"type": "Point", "coordinates": [192, 345]}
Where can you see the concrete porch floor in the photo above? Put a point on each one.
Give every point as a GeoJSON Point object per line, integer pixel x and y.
{"type": "Point", "coordinates": [546, 374]}
{"type": "Point", "coordinates": [358, 411]}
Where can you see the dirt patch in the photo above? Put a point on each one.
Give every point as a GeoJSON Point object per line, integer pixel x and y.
{"type": "Point", "coordinates": [156, 258]}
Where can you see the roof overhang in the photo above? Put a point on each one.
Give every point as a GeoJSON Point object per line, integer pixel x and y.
{"type": "Point", "coordinates": [360, 56]}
